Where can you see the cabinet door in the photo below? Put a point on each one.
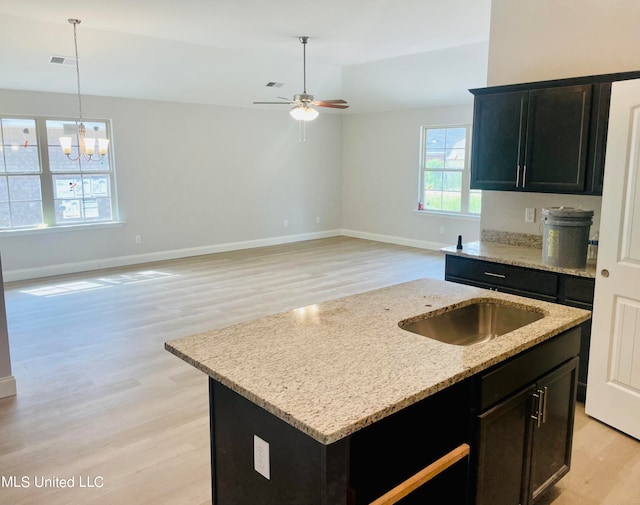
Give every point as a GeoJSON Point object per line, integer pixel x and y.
{"type": "Point", "coordinates": [501, 451]}
{"type": "Point", "coordinates": [558, 121]}
{"type": "Point", "coordinates": [553, 433]}
{"type": "Point", "coordinates": [498, 140]}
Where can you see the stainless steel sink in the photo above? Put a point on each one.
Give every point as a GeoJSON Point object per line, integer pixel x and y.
{"type": "Point", "coordinates": [472, 324]}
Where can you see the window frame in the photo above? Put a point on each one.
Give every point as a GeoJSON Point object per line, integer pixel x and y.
{"type": "Point", "coordinates": [46, 175]}
{"type": "Point", "coordinates": [465, 191]}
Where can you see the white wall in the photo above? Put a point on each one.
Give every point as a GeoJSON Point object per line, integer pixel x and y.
{"type": "Point", "coordinates": [191, 179]}
{"type": "Point", "coordinates": [553, 39]}
{"type": "Point", "coordinates": [380, 178]}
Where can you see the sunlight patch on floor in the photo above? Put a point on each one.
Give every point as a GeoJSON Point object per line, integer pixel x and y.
{"type": "Point", "coordinates": [67, 288]}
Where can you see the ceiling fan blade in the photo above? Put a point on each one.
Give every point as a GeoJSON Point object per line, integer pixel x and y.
{"type": "Point", "coordinates": [324, 103]}
{"type": "Point", "coordinates": [273, 103]}
{"type": "Point", "coordinates": [333, 101]}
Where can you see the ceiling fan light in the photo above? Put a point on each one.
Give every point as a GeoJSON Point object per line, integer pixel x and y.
{"type": "Point", "coordinates": [304, 113]}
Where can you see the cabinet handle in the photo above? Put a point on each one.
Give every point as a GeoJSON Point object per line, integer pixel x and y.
{"type": "Point", "coordinates": [544, 404]}
{"type": "Point", "coordinates": [423, 476]}
{"type": "Point", "coordinates": [518, 176]}
{"type": "Point", "coordinates": [539, 412]}
{"type": "Point", "coordinates": [502, 276]}
{"type": "Point", "coordinates": [524, 176]}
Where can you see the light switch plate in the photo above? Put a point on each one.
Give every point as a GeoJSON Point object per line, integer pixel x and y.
{"type": "Point", "coordinates": [530, 215]}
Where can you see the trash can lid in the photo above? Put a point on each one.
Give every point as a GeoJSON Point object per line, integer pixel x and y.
{"type": "Point", "coordinates": [567, 212]}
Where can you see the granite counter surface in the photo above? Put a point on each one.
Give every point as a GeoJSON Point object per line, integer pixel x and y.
{"type": "Point", "coordinates": [333, 368]}
{"type": "Point", "coordinates": [529, 257]}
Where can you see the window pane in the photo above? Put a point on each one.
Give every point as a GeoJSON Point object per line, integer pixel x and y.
{"type": "Point", "coordinates": [67, 186]}
{"type": "Point", "coordinates": [97, 209]}
{"type": "Point", "coordinates": [436, 138]}
{"type": "Point", "coordinates": [432, 200]}
{"type": "Point", "coordinates": [96, 185]}
{"type": "Point", "coordinates": [19, 159]}
{"type": "Point", "coordinates": [19, 132]}
{"type": "Point", "coordinates": [5, 216]}
{"type": "Point", "coordinates": [68, 211]}
{"type": "Point", "coordinates": [455, 159]}
{"type": "Point", "coordinates": [456, 137]}
{"type": "Point", "coordinates": [4, 190]}
{"type": "Point", "coordinates": [19, 146]}
{"type": "Point", "coordinates": [451, 201]}
{"type": "Point", "coordinates": [24, 188]}
{"type": "Point", "coordinates": [432, 180]}
{"type": "Point", "coordinates": [435, 160]}
{"type": "Point", "coordinates": [25, 214]}
{"type": "Point", "coordinates": [452, 181]}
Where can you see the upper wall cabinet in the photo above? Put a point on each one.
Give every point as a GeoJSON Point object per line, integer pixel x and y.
{"type": "Point", "coordinates": [544, 139]}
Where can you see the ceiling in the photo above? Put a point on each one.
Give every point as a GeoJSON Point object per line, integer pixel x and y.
{"type": "Point", "coordinates": [377, 54]}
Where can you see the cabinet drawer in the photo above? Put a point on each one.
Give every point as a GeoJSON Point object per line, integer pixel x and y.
{"type": "Point", "coordinates": [580, 289]}
{"type": "Point", "coordinates": [499, 382]}
{"type": "Point", "coordinates": [499, 275]}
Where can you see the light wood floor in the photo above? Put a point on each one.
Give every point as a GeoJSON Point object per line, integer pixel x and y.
{"type": "Point", "coordinates": [100, 401]}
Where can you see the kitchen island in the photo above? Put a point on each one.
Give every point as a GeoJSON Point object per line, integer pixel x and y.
{"type": "Point", "coordinates": [323, 385]}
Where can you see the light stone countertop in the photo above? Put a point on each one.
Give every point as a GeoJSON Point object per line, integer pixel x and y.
{"type": "Point", "coordinates": [530, 257]}
{"type": "Point", "coordinates": [333, 368]}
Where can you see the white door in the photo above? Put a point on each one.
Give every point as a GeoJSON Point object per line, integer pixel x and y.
{"type": "Point", "coordinates": [613, 387]}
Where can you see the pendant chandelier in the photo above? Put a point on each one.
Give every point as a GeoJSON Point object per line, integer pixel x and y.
{"type": "Point", "coordinates": [86, 145]}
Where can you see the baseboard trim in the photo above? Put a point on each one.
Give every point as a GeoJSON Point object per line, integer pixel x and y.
{"type": "Point", "coordinates": [99, 264]}
{"type": "Point", "coordinates": [391, 239]}
{"type": "Point", "coordinates": [7, 386]}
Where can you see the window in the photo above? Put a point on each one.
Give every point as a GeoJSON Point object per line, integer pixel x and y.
{"type": "Point", "coordinates": [40, 187]}
{"type": "Point", "coordinates": [444, 173]}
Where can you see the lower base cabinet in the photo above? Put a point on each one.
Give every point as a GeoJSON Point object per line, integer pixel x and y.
{"type": "Point", "coordinates": [524, 442]}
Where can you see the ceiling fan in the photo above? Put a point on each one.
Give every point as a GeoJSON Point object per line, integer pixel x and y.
{"type": "Point", "coordinates": [302, 109]}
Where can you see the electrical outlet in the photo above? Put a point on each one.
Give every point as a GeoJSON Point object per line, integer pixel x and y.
{"type": "Point", "coordinates": [138, 239]}
{"type": "Point", "coordinates": [318, 220]}
{"type": "Point", "coordinates": [286, 223]}
{"type": "Point", "coordinates": [530, 215]}
{"type": "Point", "coordinates": [442, 230]}
{"type": "Point", "coordinates": [261, 457]}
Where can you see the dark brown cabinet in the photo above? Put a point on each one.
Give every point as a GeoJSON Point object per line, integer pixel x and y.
{"type": "Point", "coordinates": [498, 140]}
{"type": "Point", "coordinates": [546, 140]}
{"type": "Point", "coordinates": [551, 428]}
{"type": "Point", "coordinates": [524, 425]}
{"type": "Point", "coordinates": [539, 284]}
